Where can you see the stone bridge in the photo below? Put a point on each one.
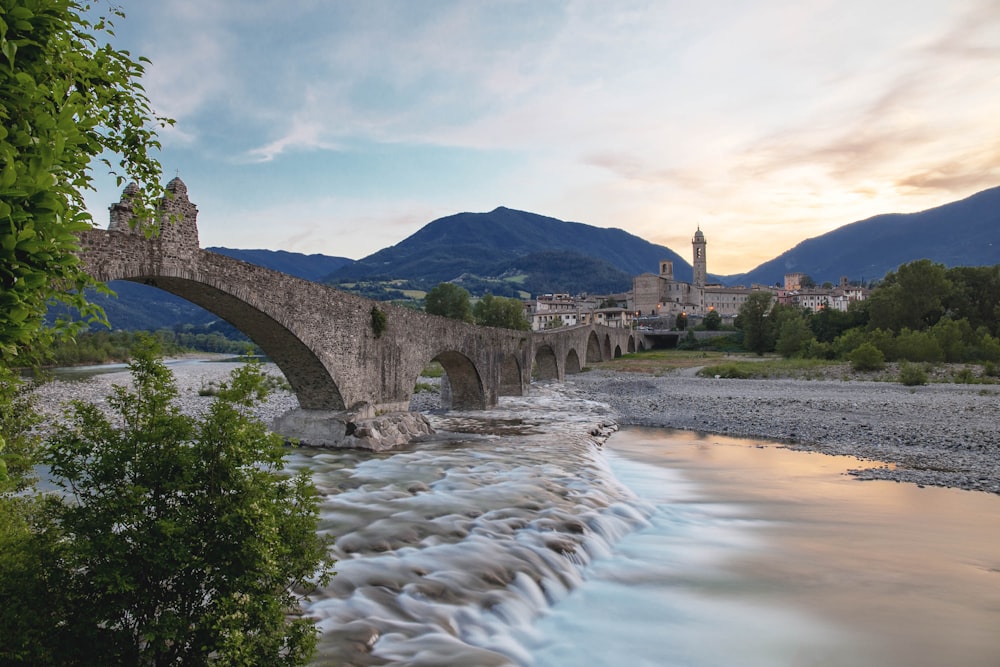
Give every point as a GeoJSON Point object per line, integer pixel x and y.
{"type": "Point", "coordinates": [340, 362]}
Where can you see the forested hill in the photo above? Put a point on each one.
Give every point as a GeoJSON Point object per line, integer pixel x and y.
{"type": "Point", "coordinates": [308, 267]}
{"type": "Point", "coordinates": [506, 243]}
{"type": "Point", "coordinates": [963, 233]}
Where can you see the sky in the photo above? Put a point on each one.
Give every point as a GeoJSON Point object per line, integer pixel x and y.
{"type": "Point", "coordinates": [341, 127]}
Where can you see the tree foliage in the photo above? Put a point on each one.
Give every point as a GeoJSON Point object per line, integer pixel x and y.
{"type": "Point", "coordinates": [67, 100]}
{"type": "Point", "coordinates": [758, 329]}
{"type": "Point", "coordinates": [449, 300]}
{"type": "Point", "coordinates": [794, 336]}
{"type": "Point", "coordinates": [923, 312]}
{"type": "Point", "coordinates": [177, 541]}
{"type": "Point", "coordinates": [712, 320]}
{"type": "Point", "coordinates": [498, 311]}
{"type": "Point", "coordinates": [912, 297]}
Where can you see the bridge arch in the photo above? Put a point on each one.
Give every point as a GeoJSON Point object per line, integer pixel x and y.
{"type": "Point", "coordinates": [511, 383]}
{"type": "Point", "coordinates": [545, 365]}
{"type": "Point", "coordinates": [593, 348]}
{"type": "Point", "coordinates": [313, 383]}
{"type": "Point", "coordinates": [462, 384]}
{"type": "Point", "coordinates": [572, 364]}
{"type": "Point", "coordinates": [607, 347]}
{"type": "Point", "coordinates": [631, 344]}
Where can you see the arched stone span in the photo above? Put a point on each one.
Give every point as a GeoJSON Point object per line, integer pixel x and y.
{"type": "Point", "coordinates": [631, 344]}
{"type": "Point", "coordinates": [572, 364]}
{"type": "Point", "coordinates": [463, 389]}
{"type": "Point", "coordinates": [606, 349]}
{"type": "Point", "coordinates": [545, 366]}
{"type": "Point", "coordinates": [618, 351]}
{"type": "Point", "coordinates": [593, 348]}
{"type": "Point", "coordinates": [511, 382]}
{"type": "Point", "coordinates": [314, 385]}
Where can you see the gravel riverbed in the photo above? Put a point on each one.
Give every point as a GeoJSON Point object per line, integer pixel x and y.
{"type": "Point", "coordinates": [937, 434]}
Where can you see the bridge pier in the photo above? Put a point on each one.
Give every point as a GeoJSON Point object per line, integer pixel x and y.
{"type": "Point", "coordinates": [355, 430]}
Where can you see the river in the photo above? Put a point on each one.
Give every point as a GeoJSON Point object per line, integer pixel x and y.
{"type": "Point", "coordinates": [515, 539]}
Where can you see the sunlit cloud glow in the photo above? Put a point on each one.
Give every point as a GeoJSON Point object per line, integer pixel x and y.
{"type": "Point", "coordinates": [344, 127]}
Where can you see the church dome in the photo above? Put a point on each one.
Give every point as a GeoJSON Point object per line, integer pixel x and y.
{"type": "Point", "coordinates": [699, 236]}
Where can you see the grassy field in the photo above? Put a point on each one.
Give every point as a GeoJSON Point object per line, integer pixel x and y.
{"type": "Point", "coordinates": [658, 362]}
{"type": "Point", "coordinates": [749, 366]}
{"type": "Point", "coordinates": [724, 364]}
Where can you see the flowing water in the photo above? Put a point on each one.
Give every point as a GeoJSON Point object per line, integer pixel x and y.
{"type": "Point", "coordinates": [515, 539]}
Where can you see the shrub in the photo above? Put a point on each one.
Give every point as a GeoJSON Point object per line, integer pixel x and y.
{"type": "Point", "coordinates": [965, 376]}
{"type": "Point", "coordinates": [912, 375]}
{"type": "Point", "coordinates": [991, 369]}
{"type": "Point", "coordinates": [689, 342]}
{"type": "Point", "coordinates": [729, 371]}
{"type": "Point", "coordinates": [866, 357]}
{"type": "Point", "coordinates": [918, 346]}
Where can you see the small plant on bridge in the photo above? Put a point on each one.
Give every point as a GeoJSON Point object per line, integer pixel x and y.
{"type": "Point", "coordinates": [379, 322]}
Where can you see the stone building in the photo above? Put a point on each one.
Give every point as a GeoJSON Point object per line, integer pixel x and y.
{"type": "Point", "coordinates": [549, 311]}
{"type": "Point", "coordinates": [661, 295]}
{"type": "Point", "coordinates": [819, 298]}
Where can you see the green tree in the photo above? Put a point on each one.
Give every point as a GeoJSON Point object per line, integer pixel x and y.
{"type": "Point", "coordinates": [712, 320]}
{"type": "Point", "coordinates": [829, 323]}
{"type": "Point", "coordinates": [758, 330]}
{"type": "Point", "coordinates": [67, 100]}
{"type": "Point", "coordinates": [976, 296]}
{"type": "Point", "coordinates": [912, 297]}
{"type": "Point", "coordinates": [498, 311]}
{"type": "Point", "coordinates": [182, 540]}
{"type": "Point", "coordinates": [794, 336]}
{"type": "Point", "coordinates": [449, 300]}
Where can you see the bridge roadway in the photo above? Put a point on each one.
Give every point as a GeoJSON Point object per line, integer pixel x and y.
{"type": "Point", "coordinates": [324, 340]}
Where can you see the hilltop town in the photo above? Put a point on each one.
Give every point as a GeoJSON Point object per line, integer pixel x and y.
{"type": "Point", "coordinates": [656, 300]}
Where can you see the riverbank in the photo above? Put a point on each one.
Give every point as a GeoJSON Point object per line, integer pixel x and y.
{"type": "Point", "coordinates": [197, 378]}
{"type": "Point", "coordinates": [937, 434]}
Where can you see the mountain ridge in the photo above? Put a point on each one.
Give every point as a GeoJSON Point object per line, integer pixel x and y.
{"type": "Point", "coordinates": [483, 243]}
{"type": "Point", "coordinates": [965, 232]}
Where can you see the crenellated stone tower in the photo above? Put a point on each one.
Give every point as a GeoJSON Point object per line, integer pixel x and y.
{"type": "Point", "coordinates": [178, 218]}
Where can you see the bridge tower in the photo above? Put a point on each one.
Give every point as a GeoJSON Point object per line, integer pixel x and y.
{"type": "Point", "coordinates": [178, 223]}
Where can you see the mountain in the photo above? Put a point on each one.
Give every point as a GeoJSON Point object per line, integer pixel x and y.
{"type": "Point", "coordinates": [507, 242]}
{"type": "Point", "coordinates": [307, 267]}
{"type": "Point", "coordinates": [140, 307]}
{"type": "Point", "coordinates": [962, 233]}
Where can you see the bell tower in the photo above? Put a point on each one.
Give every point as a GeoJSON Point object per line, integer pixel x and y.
{"type": "Point", "coordinates": [699, 265]}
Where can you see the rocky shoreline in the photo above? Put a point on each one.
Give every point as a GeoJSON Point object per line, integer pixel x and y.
{"type": "Point", "coordinates": [937, 434]}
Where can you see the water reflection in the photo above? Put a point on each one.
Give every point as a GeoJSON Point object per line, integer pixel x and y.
{"type": "Point", "coordinates": [828, 571]}
{"type": "Point", "coordinates": [665, 548]}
